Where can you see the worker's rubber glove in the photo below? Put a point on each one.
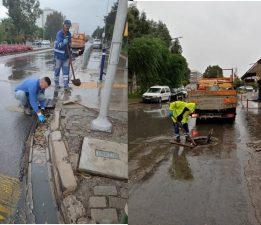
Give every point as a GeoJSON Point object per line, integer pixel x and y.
{"type": "Point", "coordinates": [179, 118]}
{"type": "Point", "coordinates": [170, 114]}
{"type": "Point", "coordinates": [65, 41]}
{"type": "Point", "coordinates": [41, 117]}
{"type": "Point", "coordinates": [44, 111]}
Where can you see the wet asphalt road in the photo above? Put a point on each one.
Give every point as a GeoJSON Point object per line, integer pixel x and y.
{"type": "Point", "coordinates": [172, 185]}
{"type": "Point", "coordinates": [15, 126]}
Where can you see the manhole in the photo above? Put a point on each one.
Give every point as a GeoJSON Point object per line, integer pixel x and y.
{"type": "Point", "coordinates": [9, 196]}
{"type": "Point", "coordinates": [203, 141]}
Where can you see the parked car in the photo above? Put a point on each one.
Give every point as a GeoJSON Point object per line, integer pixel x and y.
{"type": "Point", "coordinates": [249, 89]}
{"type": "Point", "coordinates": [45, 43]}
{"type": "Point", "coordinates": [176, 94]}
{"type": "Point", "coordinates": [37, 43]}
{"type": "Point", "coordinates": [243, 89]}
{"type": "Point", "coordinates": [97, 44]}
{"type": "Point", "coordinates": [157, 94]}
{"type": "Point", "coordinates": [184, 92]}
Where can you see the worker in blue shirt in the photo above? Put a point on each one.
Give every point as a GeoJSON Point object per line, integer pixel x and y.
{"type": "Point", "coordinates": [62, 46]}
{"type": "Point", "coordinates": [30, 93]}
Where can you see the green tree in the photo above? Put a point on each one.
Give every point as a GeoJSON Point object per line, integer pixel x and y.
{"type": "Point", "coordinates": [162, 33]}
{"type": "Point", "coordinates": [97, 33]}
{"type": "Point", "coordinates": [146, 59]}
{"type": "Point", "coordinates": [237, 82]}
{"type": "Point", "coordinates": [109, 21]}
{"type": "Point", "coordinates": [133, 22]}
{"type": "Point", "coordinates": [140, 26]}
{"type": "Point", "coordinates": [213, 72]}
{"type": "Point", "coordinates": [7, 30]}
{"type": "Point", "coordinates": [38, 33]}
{"type": "Point", "coordinates": [23, 14]}
{"type": "Point", "coordinates": [176, 47]}
{"type": "Point", "coordinates": [54, 23]}
{"type": "Point", "coordinates": [177, 70]}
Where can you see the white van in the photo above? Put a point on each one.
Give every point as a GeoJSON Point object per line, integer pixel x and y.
{"type": "Point", "coordinates": [157, 94]}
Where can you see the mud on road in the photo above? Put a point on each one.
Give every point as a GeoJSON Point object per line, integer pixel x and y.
{"type": "Point", "coordinates": [217, 184]}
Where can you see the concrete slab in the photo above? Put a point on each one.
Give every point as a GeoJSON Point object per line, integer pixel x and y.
{"type": "Point", "coordinates": [104, 215]}
{"type": "Point", "coordinates": [104, 158]}
{"type": "Point", "coordinates": [97, 202]}
{"type": "Point", "coordinates": [118, 203]}
{"type": "Point", "coordinates": [105, 190]}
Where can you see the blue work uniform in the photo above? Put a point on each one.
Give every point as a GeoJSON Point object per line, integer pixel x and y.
{"type": "Point", "coordinates": [61, 55]}
{"type": "Point", "coordinates": [29, 93]}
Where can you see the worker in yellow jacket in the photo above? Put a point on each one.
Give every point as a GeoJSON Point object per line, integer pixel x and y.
{"type": "Point", "coordinates": [179, 112]}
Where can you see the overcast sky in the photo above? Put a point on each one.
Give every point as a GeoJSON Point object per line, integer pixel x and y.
{"type": "Point", "coordinates": [88, 13]}
{"type": "Point", "coordinates": [223, 33]}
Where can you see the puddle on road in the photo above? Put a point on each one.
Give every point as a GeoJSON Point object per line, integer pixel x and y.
{"type": "Point", "coordinates": [207, 183]}
{"type": "Point", "coordinates": [23, 66]}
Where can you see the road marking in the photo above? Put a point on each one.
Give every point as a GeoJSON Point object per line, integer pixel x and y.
{"type": "Point", "coordinates": [9, 195]}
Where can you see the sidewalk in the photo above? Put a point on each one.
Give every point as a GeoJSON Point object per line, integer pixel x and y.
{"type": "Point", "coordinates": [84, 197]}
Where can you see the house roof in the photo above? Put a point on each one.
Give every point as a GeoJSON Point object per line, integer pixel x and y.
{"type": "Point", "coordinates": [254, 70]}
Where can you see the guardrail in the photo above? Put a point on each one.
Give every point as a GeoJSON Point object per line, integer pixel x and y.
{"type": "Point", "coordinates": [247, 103]}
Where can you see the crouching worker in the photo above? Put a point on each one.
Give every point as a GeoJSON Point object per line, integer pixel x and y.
{"type": "Point", "coordinates": [30, 93]}
{"type": "Point", "coordinates": [179, 112]}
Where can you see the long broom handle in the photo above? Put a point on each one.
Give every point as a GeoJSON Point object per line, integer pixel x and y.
{"type": "Point", "coordinates": [70, 62]}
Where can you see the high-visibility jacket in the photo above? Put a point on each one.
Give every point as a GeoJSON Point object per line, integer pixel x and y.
{"type": "Point", "coordinates": [177, 108]}
{"type": "Point", "coordinates": [60, 49]}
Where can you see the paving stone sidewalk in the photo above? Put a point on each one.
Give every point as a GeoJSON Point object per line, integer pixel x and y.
{"type": "Point", "coordinates": [96, 199]}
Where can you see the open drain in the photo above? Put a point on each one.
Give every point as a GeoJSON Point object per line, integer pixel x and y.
{"type": "Point", "coordinates": [9, 196]}
{"type": "Point", "coordinates": [203, 141]}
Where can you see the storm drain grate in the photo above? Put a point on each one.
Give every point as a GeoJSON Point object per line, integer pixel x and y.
{"type": "Point", "coordinates": [9, 195]}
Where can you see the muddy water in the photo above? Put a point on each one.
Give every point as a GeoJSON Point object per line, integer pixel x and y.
{"type": "Point", "coordinates": [174, 185]}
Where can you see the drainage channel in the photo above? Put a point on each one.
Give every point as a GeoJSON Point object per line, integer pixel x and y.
{"type": "Point", "coordinates": [45, 209]}
{"type": "Point", "coordinates": [44, 205]}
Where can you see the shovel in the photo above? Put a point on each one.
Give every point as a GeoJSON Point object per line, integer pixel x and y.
{"type": "Point", "coordinates": [75, 81]}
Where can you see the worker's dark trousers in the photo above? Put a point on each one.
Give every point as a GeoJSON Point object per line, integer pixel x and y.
{"type": "Point", "coordinates": [176, 129]}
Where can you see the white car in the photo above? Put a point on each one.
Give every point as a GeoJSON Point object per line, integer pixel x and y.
{"type": "Point", "coordinates": [249, 89]}
{"type": "Point", "coordinates": [45, 43]}
{"type": "Point", "coordinates": [97, 44]}
{"type": "Point", "coordinates": [157, 94]}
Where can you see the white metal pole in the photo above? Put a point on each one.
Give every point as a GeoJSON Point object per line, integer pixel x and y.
{"type": "Point", "coordinates": [102, 123]}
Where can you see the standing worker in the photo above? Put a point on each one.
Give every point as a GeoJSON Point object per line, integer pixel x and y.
{"type": "Point", "coordinates": [62, 53]}
{"type": "Point", "coordinates": [179, 112]}
{"type": "Point", "coordinates": [30, 93]}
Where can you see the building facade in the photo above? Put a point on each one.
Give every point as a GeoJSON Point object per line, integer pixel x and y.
{"type": "Point", "coordinates": [195, 76]}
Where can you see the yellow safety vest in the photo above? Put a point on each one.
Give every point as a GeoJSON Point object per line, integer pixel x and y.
{"type": "Point", "coordinates": [177, 108]}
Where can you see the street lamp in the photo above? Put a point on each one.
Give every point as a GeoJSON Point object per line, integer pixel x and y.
{"type": "Point", "coordinates": [176, 38]}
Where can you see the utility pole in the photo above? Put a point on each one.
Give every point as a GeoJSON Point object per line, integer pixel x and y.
{"type": "Point", "coordinates": [103, 45]}
{"type": "Point", "coordinates": [102, 123]}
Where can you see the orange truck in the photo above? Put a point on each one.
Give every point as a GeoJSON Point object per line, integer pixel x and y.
{"type": "Point", "coordinates": [78, 43]}
{"type": "Point", "coordinates": [78, 39]}
{"type": "Point", "coordinates": [214, 98]}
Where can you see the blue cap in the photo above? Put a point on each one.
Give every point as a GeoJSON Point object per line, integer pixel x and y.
{"type": "Point", "coordinates": [67, 22]}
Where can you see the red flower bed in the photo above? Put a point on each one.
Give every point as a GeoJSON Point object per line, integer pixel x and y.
{"type": "Point", "coordinates": [10, 49]}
